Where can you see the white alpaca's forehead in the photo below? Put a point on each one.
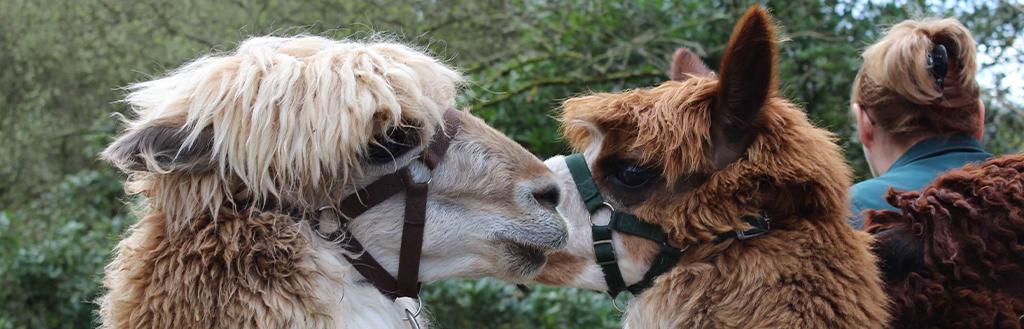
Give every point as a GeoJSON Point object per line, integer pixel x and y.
{"type": "Point", "coordinates": [288, 112]}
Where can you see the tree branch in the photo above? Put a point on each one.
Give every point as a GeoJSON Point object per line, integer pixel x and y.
{"type": "Point", "coordinates": [166, 24]}
{"type": "Point", "coordinates": [565, 82]}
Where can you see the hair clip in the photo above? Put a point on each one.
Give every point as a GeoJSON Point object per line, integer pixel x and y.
{"type": "Point", "coordinates": [938, 63]}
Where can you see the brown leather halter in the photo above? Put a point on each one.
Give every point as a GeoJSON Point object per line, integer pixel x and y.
{"type": "Point", "coordinates": [407, 284]}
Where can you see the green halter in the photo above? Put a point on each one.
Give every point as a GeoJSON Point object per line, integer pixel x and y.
{"type": "Point", "coordinates": [629, 224]}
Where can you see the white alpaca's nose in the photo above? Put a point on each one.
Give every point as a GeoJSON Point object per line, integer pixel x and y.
{"type": "Point", "coordinates": [539, 198]}
{"type": "Point", "coordinates": [548, 195]}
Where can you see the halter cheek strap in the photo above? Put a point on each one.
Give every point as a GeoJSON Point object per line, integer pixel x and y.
{"type": "Point", "coordinates": [604, 250]}
{"type": "Point", "coordinates": [407, 283]}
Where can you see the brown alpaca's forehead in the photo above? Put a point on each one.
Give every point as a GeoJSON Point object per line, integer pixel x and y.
{"type": "Point", "coordinates": [667, 125]}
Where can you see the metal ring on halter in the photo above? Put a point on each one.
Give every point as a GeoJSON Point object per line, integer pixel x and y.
{"type": "Point", "coordinates": [321, 209]}
{"type": "Point", "coordinates": [614, 304]}
{"type": "Point", "coordinates": [419, 306]}
{"type": "Point", "coordinates": [316, 226]}
{"type": "Point", "coordinates": [411, 316]}
{"type": "Point", "coordinates": [412, 320]}
{"type": "Point", "coordinates": [606, 204]}
{"type": "Point", "coordinates": [431, 171]}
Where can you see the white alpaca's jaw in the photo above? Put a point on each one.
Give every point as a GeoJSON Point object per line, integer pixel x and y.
{"type": "Point", "coordinates": [523, 262]}
{"type": "Point", "coordinates": [523, 251]}
{"type": "Point", "coordinates": [525, 238]}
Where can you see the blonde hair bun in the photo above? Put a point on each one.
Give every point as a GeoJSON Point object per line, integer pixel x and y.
{"type": "Point", "coordinates": [899, 62]}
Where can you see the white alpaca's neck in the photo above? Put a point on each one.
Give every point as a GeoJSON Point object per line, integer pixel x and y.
{"type": "Point", "coordinates": [350, 301]}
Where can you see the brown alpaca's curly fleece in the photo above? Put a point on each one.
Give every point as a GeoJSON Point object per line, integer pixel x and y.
{"type": "Point", "coordinates": [954, 254]}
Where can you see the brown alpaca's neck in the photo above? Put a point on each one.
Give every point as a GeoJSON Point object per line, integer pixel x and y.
{"type": "Point", "coordinates": [798, 277]}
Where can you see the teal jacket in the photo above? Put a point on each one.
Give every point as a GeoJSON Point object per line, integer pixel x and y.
{"type": "Point", "coordinates": [921, 164]}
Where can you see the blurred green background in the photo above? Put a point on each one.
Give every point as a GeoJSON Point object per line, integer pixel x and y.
{"type": "Point", "coordinates": [62, 63]}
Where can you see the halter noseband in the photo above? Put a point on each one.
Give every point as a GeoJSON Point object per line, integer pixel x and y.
{"type": "Point", "coordinates": [407, 284]}
{"type": "Point", "coordinates": [627, 223]}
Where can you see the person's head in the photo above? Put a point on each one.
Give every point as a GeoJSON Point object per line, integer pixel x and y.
{"type": "Point", "coordinates": [916, 82]}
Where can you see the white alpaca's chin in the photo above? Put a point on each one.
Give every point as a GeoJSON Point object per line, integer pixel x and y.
{"type": "Point", "coordinates": [522, 251]}
{"type": "Point", "coordinates": [522, 262]}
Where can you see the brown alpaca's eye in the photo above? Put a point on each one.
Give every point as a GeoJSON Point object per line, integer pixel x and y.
{"type": "Point", "coordinates": [632, 176]}
{"type": "Point", "coordinates": [397, 142]}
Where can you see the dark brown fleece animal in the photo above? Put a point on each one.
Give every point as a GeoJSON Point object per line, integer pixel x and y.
{"type": "Point", "coordinates": [953, 256]}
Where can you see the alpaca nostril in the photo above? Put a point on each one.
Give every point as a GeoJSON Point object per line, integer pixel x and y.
{"type": "Point", "coordinates": [548, 196]}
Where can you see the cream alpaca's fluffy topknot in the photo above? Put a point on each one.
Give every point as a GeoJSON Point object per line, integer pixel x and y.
{"type": "Point", "coordinates": [288, 114]}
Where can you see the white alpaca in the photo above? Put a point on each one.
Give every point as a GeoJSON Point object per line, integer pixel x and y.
{"type": "Point", "coordinates": [237, 153]}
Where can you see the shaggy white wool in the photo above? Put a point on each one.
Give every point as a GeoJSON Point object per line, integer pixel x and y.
{"type": "Point", "coordinates": [290, 113]}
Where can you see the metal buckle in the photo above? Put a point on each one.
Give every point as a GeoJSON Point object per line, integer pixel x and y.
{"type": "Point", "coordinates": [614, 256]}
{"type": "Point", "coordinates": [743, 235]}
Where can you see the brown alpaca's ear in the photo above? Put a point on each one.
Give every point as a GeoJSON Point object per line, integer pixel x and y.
{"type": "Point", "coordinates": [685, 64]}
{"type": "Point", "coordinates": [162, 149]}
{"type": "Point", "coordinates": [747, 80]}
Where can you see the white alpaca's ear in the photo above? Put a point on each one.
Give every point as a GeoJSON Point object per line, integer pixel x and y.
{"type": "Point", "coordinates": [162, 149]}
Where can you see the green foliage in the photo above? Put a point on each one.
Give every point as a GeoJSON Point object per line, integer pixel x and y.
{"type": "Point", "coordinates": [62, 62]}
{"type": "Point", "coordinates": [52, 252]}
{"type": "Point", "coordinates": [493, 304]}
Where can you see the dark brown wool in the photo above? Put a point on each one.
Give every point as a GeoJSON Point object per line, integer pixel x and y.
{"type": "Point", "coordinates": [953, 256]}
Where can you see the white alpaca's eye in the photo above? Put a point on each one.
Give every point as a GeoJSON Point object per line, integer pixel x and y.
{"type": "Point", "coordinates": [395, 143]}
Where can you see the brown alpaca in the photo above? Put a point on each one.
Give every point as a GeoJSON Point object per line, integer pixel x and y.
{"type": "Point", "coordinates": [694, 157]}
{"type": "Point", "coordinates": [953, 257]}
